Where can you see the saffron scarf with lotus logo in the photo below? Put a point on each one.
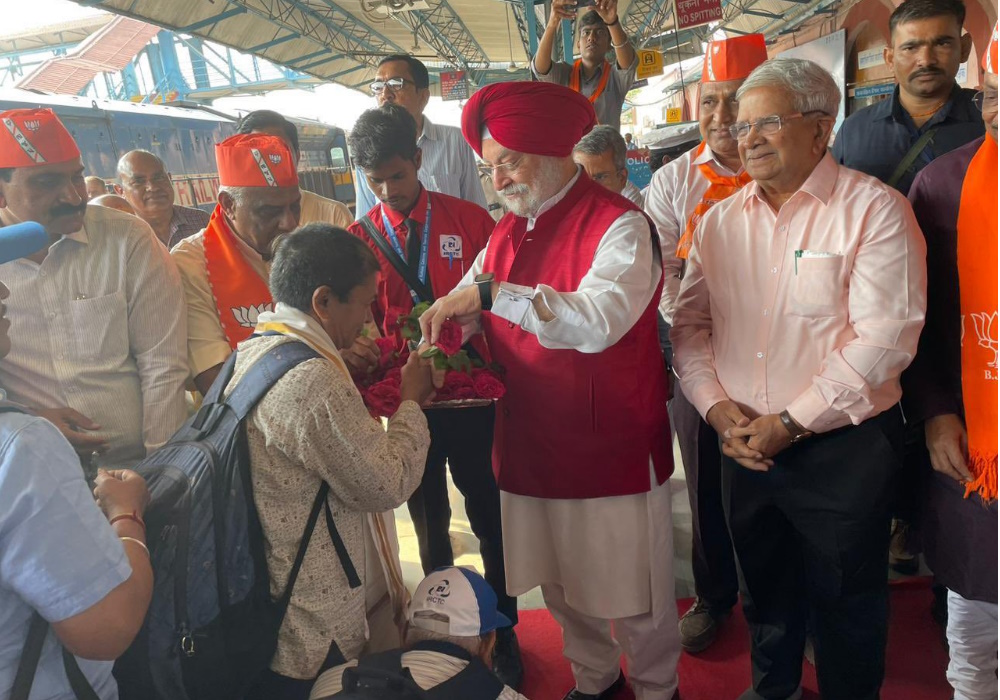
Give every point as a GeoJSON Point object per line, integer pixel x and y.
{"type": "Point", "coordinates": [239, 292]}
{"type": "Point", "coordinates": [977, 280]}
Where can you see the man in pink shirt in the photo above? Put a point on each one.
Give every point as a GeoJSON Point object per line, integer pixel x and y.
{"type": "Point", "coordinates": [801, 305]}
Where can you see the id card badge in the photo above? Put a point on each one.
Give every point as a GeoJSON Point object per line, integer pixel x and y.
{"type": "Point", "coordinates": [451, 247]}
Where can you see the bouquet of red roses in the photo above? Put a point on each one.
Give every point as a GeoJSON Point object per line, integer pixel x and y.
{"type": "Point", "coordinates": [467, 382]}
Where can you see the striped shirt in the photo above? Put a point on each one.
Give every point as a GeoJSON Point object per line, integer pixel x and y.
{"type": "Point", "coordinates": [100, 327]}
{"type": "Point", "coordinates": [447, 165]}
{"type": "Point", "coordinates": [186, 221]}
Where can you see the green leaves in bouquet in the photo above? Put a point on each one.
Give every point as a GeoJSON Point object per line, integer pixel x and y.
{"type": "Point", "coordinates": [459, 362]}
{"type": "Point", "coordinates": [420, 308]}
{"type": "Point", "coordinates": [409, 326]}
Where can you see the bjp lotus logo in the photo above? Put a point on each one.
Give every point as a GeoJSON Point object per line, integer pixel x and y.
{"type": "Point", "coordinates": [33, 124]}
{"type": "Point", "coordinates": [274, 158]}
{"type": "Point", "coordinates": [247, 315]}
{"type": "Point", "coordinates": [986, 330]}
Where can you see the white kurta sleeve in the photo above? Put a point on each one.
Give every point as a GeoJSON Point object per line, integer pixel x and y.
{"type": "Point", "coordinates": [661, 205]}
{"type": "Point", "coordinates": [612, 295]}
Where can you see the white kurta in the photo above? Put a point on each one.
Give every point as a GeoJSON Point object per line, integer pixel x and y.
{"type": "Point", "coordinates": [674, 192]}
{"type": "Point", "coordinates": [613, 556]}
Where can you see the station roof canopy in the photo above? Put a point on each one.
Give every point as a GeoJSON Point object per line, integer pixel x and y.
{"type": "Point", "coordinates": [343, 40]}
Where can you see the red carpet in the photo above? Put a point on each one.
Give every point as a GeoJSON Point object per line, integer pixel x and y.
{"type": "Point", "coordinates": [914, 668]}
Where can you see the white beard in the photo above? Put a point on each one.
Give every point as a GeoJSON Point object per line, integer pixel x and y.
{"type": "Point", "coordinates": [526, 199]}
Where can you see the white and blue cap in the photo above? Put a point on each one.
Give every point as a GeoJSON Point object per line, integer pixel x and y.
{"type": "Point", "coordinates": [457, 602]}
{"type": "Point", "coordinates": [21, 240]}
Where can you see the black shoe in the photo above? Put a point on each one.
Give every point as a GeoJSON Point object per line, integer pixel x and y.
{"type": "Point", "coordinates": [507, 659]}
{"type": "Point", "coordinates": [605, 694]}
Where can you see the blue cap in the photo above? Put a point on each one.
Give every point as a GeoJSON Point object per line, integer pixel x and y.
{"type": "Point", "coordinates": [457, 602]}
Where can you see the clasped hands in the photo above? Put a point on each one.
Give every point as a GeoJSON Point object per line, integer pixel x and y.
{"type": "Point", "coordinates": [751, 443]}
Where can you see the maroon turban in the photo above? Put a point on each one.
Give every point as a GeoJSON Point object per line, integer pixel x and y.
{"type": "Point", "coordinates": [540, 118]}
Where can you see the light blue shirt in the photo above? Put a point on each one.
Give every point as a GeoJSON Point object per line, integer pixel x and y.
{"type": "Point", "coordinates": [58, 555]}
{"type": "Point", "coordinates": [448, 166]}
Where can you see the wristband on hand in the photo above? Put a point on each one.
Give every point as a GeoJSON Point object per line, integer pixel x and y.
{"type": "Point", "coordinates": [138, 542]}
{"type": "Point", "coordinates": [611, 24]}
{"type": "Point", "coordinates": [133, 516]}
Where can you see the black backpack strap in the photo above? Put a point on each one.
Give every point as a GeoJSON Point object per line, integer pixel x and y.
{"type": "Point", "coordinates": [28, 665]}
{"type": "Point", "coordinates": [221, 380]}
{"type": "Point", "coordinates": [77, 681]}
{"type": "Point", "coordinates": [263, 375]}
{"type": "Point", "coordinates": [26, 668]}
{"type": "Point", "coordinates": [422, 291]}
{"type": "Point", "coordinates": [911, 155]}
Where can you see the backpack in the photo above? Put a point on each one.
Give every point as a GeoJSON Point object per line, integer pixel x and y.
{"type": "Point", "coordinates": [384, 677]}
{"type": "Point", "coordinates": [212, 626]}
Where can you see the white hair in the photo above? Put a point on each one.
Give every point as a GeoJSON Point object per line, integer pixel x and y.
{"type": "Point", "coordinates": [812, 87]}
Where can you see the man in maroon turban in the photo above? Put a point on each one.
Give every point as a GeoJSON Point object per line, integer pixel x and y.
{"type": "Point", "coordinates": [566, 293]}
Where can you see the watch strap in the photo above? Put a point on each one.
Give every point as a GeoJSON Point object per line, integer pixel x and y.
{"type": "Point", "coordinates": [485, 294]}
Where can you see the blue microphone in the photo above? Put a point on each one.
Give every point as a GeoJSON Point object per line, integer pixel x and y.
{"type": "Point", "coordinates": [21, 240]}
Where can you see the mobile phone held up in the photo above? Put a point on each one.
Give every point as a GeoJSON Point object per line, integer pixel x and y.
{"type": "Point", "coordinates": [585, 3]}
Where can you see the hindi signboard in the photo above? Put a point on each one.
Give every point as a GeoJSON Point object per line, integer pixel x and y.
{"type": "Point", "coordinates": [650, 64]}
{"type": "Point", "coordinates": [871, 58]}
{"type": "Point", "coordinates": [692, 13]}
{"type": "Point", "coordinates": [674, 115]}
{"type": "Point", "coordinates": [454, 86]}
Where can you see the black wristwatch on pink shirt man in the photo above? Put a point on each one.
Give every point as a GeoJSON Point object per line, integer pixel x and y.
{"type": "Point", "coordinates": [484, 281]}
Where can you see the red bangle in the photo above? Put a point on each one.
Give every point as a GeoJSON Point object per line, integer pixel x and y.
{"type": "Point", "coordinates": [133, 516]}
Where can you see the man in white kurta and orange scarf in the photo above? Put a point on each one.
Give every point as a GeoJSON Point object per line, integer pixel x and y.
{"type": "Point", "coordinates": [566, 294]}
{"type": "Point", "coordinates": [952, 387]}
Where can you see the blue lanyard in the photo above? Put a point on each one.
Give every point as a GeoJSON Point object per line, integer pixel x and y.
{"type": "Point", "coordinates": [424, 245]}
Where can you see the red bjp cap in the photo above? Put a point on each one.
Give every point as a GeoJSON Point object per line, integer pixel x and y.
{"type": "Point", "coordinates": [255, 160]}
{"type": "Point", "coordinates": [30, 137]}
{"type": "Point", "coordinates": [990, 56]}
{"type": "Point", "coordinates": [733, 59]}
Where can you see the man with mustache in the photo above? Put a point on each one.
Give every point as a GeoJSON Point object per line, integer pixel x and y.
{"type": "Point", "coordinates": [100, 347]}
{"type": "Point", "coordinates": [801, 305]}
{"type": "Point", "coordinates": [566, 293]}
{"type": "Point", "coordinates": [592, 75]}
{"type": "Point", "coordinates": [437, 237]}
{"type": "Point", "coordinates": [225, 266]}
{"type": "Point", "coordinates": [679, 195]}
{"type": "Point", "coordinates": [927, 45]}
{"type": "Point", "coordinates": [927, 116]}
{"type": "Point", "coordinates": [145, 184]}
{"type": "Point", "coordinates": [447, 164]}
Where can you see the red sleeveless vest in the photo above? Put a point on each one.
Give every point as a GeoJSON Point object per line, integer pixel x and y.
{"type": "Point", "coordinates": [574, 425]}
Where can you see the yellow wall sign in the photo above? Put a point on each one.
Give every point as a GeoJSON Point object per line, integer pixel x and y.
{"type": "Point", "coordinates": [674, 115]}
{"type": "Point", "coordinates": [650, 64]}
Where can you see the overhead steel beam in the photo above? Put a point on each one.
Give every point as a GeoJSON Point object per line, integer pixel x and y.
{"type": "Point", "coordinates": [644, 18]}
{"type": "Point", "coordinates": [273, 42]}
{"type": "Point", "coordinates": [212, 20]}
{"type": "Point", "coordinates": [444, 30]}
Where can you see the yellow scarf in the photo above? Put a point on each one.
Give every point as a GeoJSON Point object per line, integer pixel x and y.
{"type": "Point", "coordinates": [977, 281]}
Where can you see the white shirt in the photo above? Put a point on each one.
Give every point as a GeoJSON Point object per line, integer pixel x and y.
{"type": "Point", "coordinates": [447, 165]}
{"type": "Point", "coordinates": [100, 326]}
{"type": "Point", "coordinates": [671, 197]}
{"type": "Point", "coordinates": [633, 194]}
{"type": "Point", "coordinates": [611, 296]}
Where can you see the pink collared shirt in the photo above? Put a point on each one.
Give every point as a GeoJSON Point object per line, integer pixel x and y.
{"type": "Point", "coordinates": [816, 308]}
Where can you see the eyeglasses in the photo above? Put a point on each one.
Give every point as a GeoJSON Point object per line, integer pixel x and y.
{"type": "Point", "coordinates": [985, 100]}
{"type": "Point", "coordinates": [766, 126]}
{"type": "Point", "coordinates": [486, 169]}
{"type": "Point", "coordinates": [393, 84]}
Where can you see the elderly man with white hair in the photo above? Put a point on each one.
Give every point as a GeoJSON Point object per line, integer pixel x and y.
{"type": "Point", "coordinates": [801, 306]}
{"type": "Point", "coordinates": [602, 154]}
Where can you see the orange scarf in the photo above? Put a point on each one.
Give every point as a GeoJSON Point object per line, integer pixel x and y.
{"type": "Point", "coordinates": [721, 187]}
{"type": "Point", "coordinates": [977, 278]}
{"type": "Point", "coordinates": [240, 294]}
{"type": "Point", "coordinates": [574, 79]}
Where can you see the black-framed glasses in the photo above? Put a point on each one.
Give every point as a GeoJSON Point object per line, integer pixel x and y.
{"type": "Point", "coordinates": [394, 84]}
{"type": "Point", "coordinates": [767, 126]}
{"type": "Point", "coordinates": [985, 100]}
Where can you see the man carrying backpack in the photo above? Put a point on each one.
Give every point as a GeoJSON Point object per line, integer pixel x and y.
{"type": "Point", "coordinates": [451, 630]}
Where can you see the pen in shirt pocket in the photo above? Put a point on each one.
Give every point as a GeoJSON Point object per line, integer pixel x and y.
{"type": "Point", "coordinates": [811, 254]}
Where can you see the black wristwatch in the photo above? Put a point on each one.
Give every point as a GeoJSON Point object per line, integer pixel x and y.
{"type": "Point", "coordinates": [484, 280]}
{"type": "Point", "coordinates": [794, 429]}
{"type": "Point", "coordinates": [611, 24]}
